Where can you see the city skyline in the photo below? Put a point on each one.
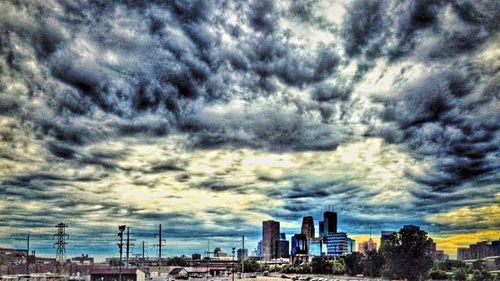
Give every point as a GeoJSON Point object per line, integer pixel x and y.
{"type": "Point", "coordinates": [209, 117]}
{"type": "Point", "coordinates": [107, 249]}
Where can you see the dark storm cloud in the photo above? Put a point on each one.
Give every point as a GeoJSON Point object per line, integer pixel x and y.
{"type": "Point", "coordinates": [373, 29]}
{"type": "Point", "coordinates": [364, 26]}
{"type": "Point", "coordinates": [449, 116]}
{"type": "Point", "coordinates": [143, 65]}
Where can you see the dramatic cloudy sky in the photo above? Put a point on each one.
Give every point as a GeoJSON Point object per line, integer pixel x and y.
{"type": "Point", "coordinates": [211, 116]}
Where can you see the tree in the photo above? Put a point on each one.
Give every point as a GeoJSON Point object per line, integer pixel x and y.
{"type": "Point", "coordinates": [481, 275]}
{"type": "Point", "coordinates": [449, 265]}
{"type": "Point", "coordinates": [321, 266]}
{"type": "Point", "coordinates": [373, 263]}
{"type": "Point", "coordinates": [438, 275]}
{"type": "Point", "coordinates": [460, 274]}
{"type": "Point", "coordinates": [178, 261]}
{"type": "Point", "coordinates": [406, 255]}
{"type": "Point", "coordinates": [251, 266]}
{"type": "Point", "coordinates": [478, 265]}
{"type": "Point", "coordinates": [353, 263]}
{"type": "Point", "coordinates": [338, 267]}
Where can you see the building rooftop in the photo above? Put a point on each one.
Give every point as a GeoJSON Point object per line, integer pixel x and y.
{"type": "Point", "coordinates": [112, 270]}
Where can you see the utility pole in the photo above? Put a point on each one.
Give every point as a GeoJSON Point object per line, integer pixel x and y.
{"type": "Point", "coordinates": [61, 242]}
{"type": "Point", "coordinates": [208, 253]}
{"type": "Point", "coordinates": [142, 253]}
{"type": "Point", "coordinates": [121, 229]}
{"type": "Point", "coordinates": [242, 255]}
{"type": "Point", "coordinates": [28, 255]}
{"type": "Point", "coordinates": [160, 241]}
{"type": "Point", "coordinates": [34, 259]}
{"type": "Point", "coordinates": [128, 245]}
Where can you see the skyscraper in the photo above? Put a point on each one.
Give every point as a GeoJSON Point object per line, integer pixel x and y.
{"type": "Point", "coordinates": [299, 245]}
{"type": "Point", "coordinates": [270, 235]}
{"type": "Point", "coordinates": [259, 252]}
{"type": "Point", "coordinates": [321, 227]}
{"type": "Point", "coordinates": [282, 247]}
{"type": "Point", "coordinates": [330, 223]}
{"type": "Point", "coordinates": [308, 228]}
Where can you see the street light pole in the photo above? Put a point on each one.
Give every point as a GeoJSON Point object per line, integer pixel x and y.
{"type": "Point", "coordinates": [121, 229]}
{"type": "Point", "coordinates": [233, 263]}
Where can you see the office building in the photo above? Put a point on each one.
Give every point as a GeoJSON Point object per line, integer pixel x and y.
{"type": "Point", "coordinates": [270, 235]}
{"type": "Point", "coordinates": [308, 227]}
{"type": "Point", "coordinates": [315, 247]}
{"type": "Point", "coordinates": [367, 246]}
{"type": "Point", "coordinates": [336, 244]}
{"type": "Point", "coordinates": [329, 223]}
{"type": "Point", "coordinates": [299, 245]}
{"type": "Point", "coordinates": [480, 250]}
{"type": "Point", "coordinates": [299, 249]}
{"type": "Point", "coordinates": [351, 245]}
{"type": "Point", "coordinates": [283, 248]}
{"type": "Point", "coordinates": [321, 230]}
{"type": "Point", "coordinates": [258, 250]}
{"type": "Point", "coordinates": [462, 253]}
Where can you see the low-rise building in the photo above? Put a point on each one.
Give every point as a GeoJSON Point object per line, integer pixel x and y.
{"type": "Point", "coordinates": [113, 274]}
{"type": "Point", "coordinates": [12, 256]}
{"type": "Point", "coordinates": [83, 259]}
{"type": "Point", "coordinates": [34, 277]}
{"type": "Point", "coordinates": [179, 273]}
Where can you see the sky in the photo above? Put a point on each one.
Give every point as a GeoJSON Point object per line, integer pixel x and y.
{"type": "Point", "coordinates": [210, 116]}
